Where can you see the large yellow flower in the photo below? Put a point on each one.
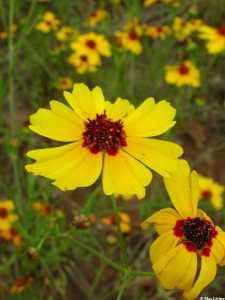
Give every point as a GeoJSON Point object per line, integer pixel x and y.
{"type": "Point", "coordinates": [112, 139]}
{"type": "Point", "coordinates": [92, 42]}
{"type": "Point", "coordinates": [215, 38]}
{"type": "Point", "coordinates": [211, 190]}
{"type": "Point", "coordinates": [184, 74]}
{"type": "Point", "coordinates": [189, 246]}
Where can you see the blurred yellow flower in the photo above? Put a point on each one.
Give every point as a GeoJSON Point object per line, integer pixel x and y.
{"type": "Point", "coordinates": [12, 235]}
{"type": "Point", "coordinates": [211, 190]}
{"type": "Point", "coordinates": [184, 74]}
{"type": "Point", "coordinates": [84, 61]}
{"type": "Point", "coordinates": [7, 217]}
{"type": "Point", "coordinates": [124, 221]}
{"type": "Point", "coordinates": [215, 38]}
{"type": "Point", "coordinates": [104, 138]}
{"type": "Point", "coordinates": [64, 83]}
{"type": "Point", "coordinates": [65, 33]}
{"type": "Point", "coordinates": [149, 2]}
{"type": "Point", "coordinates": [42, 208]}
{"type": "Point", "coordinates": [96, 17]}
{"type": "Point", "coordinates": [92, 42]}
{"type": "Point", "coordinates": [183, 29]}
{"type": "Point", "coordinates": [49, 22]}
{"type": "Point", "coordinates": [156, 32]}
{"type": "Point", "coordinates": [189, 246]}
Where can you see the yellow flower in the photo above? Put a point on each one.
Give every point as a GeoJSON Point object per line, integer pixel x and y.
{"type": "Point", "coordinates": [105, 138]}
{"type": "Point", "coordinates": [155, 32]}
{"type": "Point", "coordinates": [183, 74]}
{"type": "Point", "coordinates": [96, 17]}
{"type": "Point", "coordinates": [215, 38]}
{"type": "Point", "coordinates": [6, 215]}
{"type": "Point", "coordinates": [12, 235]}
{"type": "Point", "coordinates": [65, 33]}
{"type": "Point", "coordinates": [49, 22]}
{"type": "Point", "coordinates": [211, 190]}
{"type": "Point", "coordinates": [84, 61]}
{"type": "Point", "coordinates": [183, 29]}
{"type": "Point", "coordinates": [149, 2]}
{"type": "Point", "coordinates": [189, 246]}
{"type": "Point", "coordinates": [129, 41]}
{"type": "Point", "coordinates": [42, 208]}
{"type": "Point", "coordinates": [92, 42]}
{"type": "Point", "coordinates": [64, 83]}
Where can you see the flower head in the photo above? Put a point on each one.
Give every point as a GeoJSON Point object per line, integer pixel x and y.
{"type": "Point", "coordinates": [84, 61]}
{"type": "Point", "coordinates": [211, 190]}
{"type": "Point", "coordinates": [215, 38]}
{"type": "Point", "coordinates": [64, 83]}
{"type": "Point", "coordinates": [183, 29]}
{"type": "Point", "coordinates": [188, 239]}
{"type": "Point", "coordinates": [183, 74]}
{"type": "Point", "coordinates": [157, 32]}
{"type": "Point", "coordinates": [96, 17]}
{"type": "Point", "coordinates": [65, 33]}
{"type": "Point", "coordinates": [93, 43]}
{"type": "Point", "coordinates": [104, 137]}
{"type": "Point", "coordinates": [49, 22]}
{"type": "Point", "coordinates": [21, 284]}
{"type": "Point", "coordinates": [7, 217]}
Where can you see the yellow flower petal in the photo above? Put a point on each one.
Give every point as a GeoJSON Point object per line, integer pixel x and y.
{"type": "Point", "coordinates": [161, 156]}
{"type": "Point", "coordinates": [218, 250]}
{"type": "Point", "coordinates": [206, 275]}
{"type": "Point", "coordinates": [70, 166]}
{"type": "Point", "coordinates": [7, 204]}
{"type": "Point", "coordinates": [84, 102]}
{"type": "Point", "coordinates": [162, 245]}
{"type": "Point", "coordinates": [179, 189]}
{"type": "Point", "coordinates": [164, 220]}
{"type": "Point", "coordinates": [171, 268]}
{"type": "Point", "coordinates": [122, 174]}
{"type": "Point", "coordinates": [118, 110]}
{"type": "Point", "coordinates": [189, 275]}
{"type": "Point", "coordinates": [57, 124]}
{"type": "Point", "coordinates": [150, 119]}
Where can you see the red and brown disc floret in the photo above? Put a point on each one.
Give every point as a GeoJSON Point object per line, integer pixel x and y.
{"type": "Point", "coordinates": [206, 194]}
{"type": "Point", "coordinates": [196, 234]}
{"type": "Point", "coordinates": [3, 213]}
{"type": "Point", "coordinates": [103, 134]}
{"type": "Point", "coordinates": [221, 30]}
{"type": "Point", "coordinates": [91, 44]}
{"type": "Point", "coordinates": [183, 69]}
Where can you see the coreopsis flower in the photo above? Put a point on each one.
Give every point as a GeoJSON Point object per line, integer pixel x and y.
{"type": "Point", "coordinates": [42, 208]}
{"type": "Point", "coordinates": [215, 38]}
{"type": "Point", "coordinates": [7, 217]}
{"type": "Point", "coordinates": [84, 61]}
{"type": "Point", "coordinates": [149, 2]}
{"type": "Point", "coordinates": [12, 235]}
{"type": "Point", "coordinates": [189, 246]}
{"type": "Point", "coordinates": [64, 83]}
{"type": "Point", "coordinates": [105, 138]}
{"type": "Point", "coordinates": [183, 29]}
{"type": "Point", "coordinates": [157, 32]}
{"type": "Point", "coordinates": [184, 74]}
{"type": "Point", "coordinates": [48, 22]}
{"type": "Point", "coordinates": [93, 42]}
{"type": "Point", "coordinates": [21, 284]}
{"type": "Point", "coordinates": [211, 190]}
{"type": "Point", "coordinates": [96, 17]}
{"type": "Point", "coordinates": [65, 33]}
{"type": "Point", "coordinates": [124, 222]}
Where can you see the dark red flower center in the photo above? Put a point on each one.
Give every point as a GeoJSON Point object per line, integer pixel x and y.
{"type": "Point", "coordinates": [133, 35]}
{"type": "Point", "coordinates": [103, 134]}
{"type": "Point", "coordinates": [83, 58]}
{"type": "Point", "coordinates": [3, 212]}
{"type": "Point", "coordinates": [183, 69]}
{"type": "Point", "coordinates": [207, 194]}
{"type": "Point", "coordinates": [159, 29]}
{"type": "Point", "coordinates": [91, 44]}
{"type": "Point", "coordinates": [196, 234]}
{"type": "Point", "coordinates": [48, 23]}
{"type": "Point", "coordinates": [221, 30]}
